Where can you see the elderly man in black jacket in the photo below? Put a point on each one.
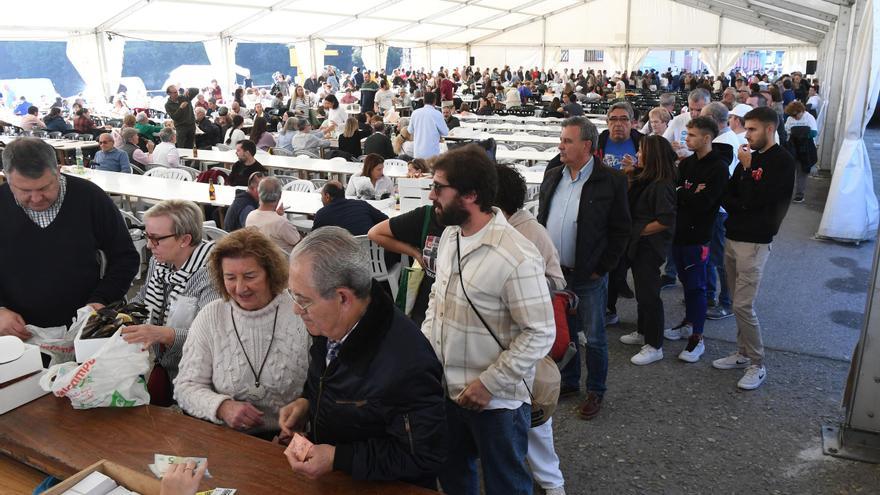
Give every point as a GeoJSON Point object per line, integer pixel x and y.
{"type": "Point", "coordinates": [179, 107]}
{"type": "Point", "coordinates": [584, 206]}
{"type": "Point", "coordinates": [373, 399]}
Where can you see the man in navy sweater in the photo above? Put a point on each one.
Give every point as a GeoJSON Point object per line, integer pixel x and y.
{"type": "Point", "coordinates": [53, 227]}
{"type": "Point", "coordinates": [756, 200]}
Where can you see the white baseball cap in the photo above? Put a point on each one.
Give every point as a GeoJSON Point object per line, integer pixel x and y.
{"type": "Point", "coordinates": [741, 110]}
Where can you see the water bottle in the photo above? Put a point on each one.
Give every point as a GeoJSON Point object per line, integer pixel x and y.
{"type": "Point", "coordinates": [684, 135]}
{"type": "Point", "coordinates": [79, 162]}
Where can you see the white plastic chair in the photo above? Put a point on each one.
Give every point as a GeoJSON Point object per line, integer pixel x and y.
{"type": "Point", "coordinates": [221, 147]}
{"type": "Point", "coordinates": [192, 171]}
{"type": "Point", "coordinates": [338, 159]}
{"type": "Point", "coordinates": [281, 152]}
{"type": "Point", "coordinates": [138, 238]}
{"type": "Point", "coordinates": [299, 185]}
{"type": "Point", "coordinates": [528, 148]}
{"type": "Point", "coordinates": [169, 173]}
{"type": "Point", "coordinates": [380, 272]}
{"type": "Point", "coordinates": [213, 233]}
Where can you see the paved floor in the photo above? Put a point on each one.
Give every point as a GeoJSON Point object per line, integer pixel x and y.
{"type": "Point", "coordinates": [674, 427]}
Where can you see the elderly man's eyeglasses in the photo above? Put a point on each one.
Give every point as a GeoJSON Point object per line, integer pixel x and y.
{"type": "Point", "coordinates": [618, 119]}
{"type": "Point", "coordinates": [303, 307]}
{"type": "Point", "coordinates": [156, 239]}
{"type": "Point", "coordinates": [438, 187]}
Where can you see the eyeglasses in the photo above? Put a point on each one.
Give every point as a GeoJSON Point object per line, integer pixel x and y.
{"type": "Point", "coordinates": [304, 308]}
{"type": "Point", "coordinates": [155, 240]}
{"type": "Point", "coordinates": [618, 119]}
{"type": "Point", "coordinates": [438, 187]}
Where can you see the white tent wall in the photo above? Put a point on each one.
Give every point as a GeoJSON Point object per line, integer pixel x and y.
{"type": "Point", "coordinates": [370, 56]}
{"type": "Point", "coordinates": [851, 210]}
{"type": "Point", "coordinates": [652, 22]}
{"type": "Point", "coordinates": [795, 58]}
{"type": "Point", "coordinates": [318, 47]}
{"type": "Point", "coordinates": [221, 55]}
{"type": "Point", "coordinates": [305, 67]}
{"type": "Point", "coordinates": [84, 53]}
{"type": "Point", "coordinates": [514, 56]}
{"type": "Point", "coordinates": [448, 57]}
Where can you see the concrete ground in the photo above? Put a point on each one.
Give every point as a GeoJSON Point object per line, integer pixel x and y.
{"type": "Point", "coordinates": [673, 427]}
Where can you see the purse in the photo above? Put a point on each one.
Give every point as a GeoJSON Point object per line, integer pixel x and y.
{"type": "Point", "coordinates": [545, 391]}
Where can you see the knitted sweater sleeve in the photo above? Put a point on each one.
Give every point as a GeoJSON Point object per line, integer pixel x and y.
{"type": "Point", "coordinates": [193, 387]}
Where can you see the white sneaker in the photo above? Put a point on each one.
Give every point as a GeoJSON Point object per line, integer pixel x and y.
{"type": "Point", "coordinates": [753, 378]}
{"type": "Point", "coordinates": [693, 355]}
{"type": "Point", "coordinates": [647, 355]}
{"type": "Point", "coordinates": [634, 338]}
{"type": "Point", "coordinates": [682, 331]}
{"type": "Point", "coordinates": [734, 361]}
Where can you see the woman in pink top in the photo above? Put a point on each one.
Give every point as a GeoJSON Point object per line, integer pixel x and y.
{"type": "Point", "coordinates": [261, 136]}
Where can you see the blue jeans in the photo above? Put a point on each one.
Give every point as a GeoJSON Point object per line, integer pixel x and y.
{"type": "Point", "coordinates": [499, 437]}
{"type": "Point", "coordinates": [670, 270]}
{"type": "Point", "coordinates": [590, 319]}
{"type": "Point", "coordinates": [716, 263]}
{"type": "Point", "coordinates": [691, 260]}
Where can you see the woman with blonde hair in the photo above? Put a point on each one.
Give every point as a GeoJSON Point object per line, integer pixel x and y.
{"type": "Point", "coordinates": [659, 119]}
{"type": "Point", "coordinates": [350, 139]}
{"type": "Point", "coordinates": [177, 286]}
{"type": "Point", "coordinates": [247, 353]}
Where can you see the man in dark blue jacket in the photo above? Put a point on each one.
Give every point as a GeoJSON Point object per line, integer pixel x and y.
{"type": "Point", "coordinates": [373, 398]}
{"type": "Point", "coordinates": [354, 215]}
{"type": "Point", "coordinates": [584, 206]}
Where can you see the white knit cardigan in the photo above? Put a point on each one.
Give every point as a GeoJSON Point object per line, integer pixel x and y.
{"type": "Point", "coordinates": [214, 368]}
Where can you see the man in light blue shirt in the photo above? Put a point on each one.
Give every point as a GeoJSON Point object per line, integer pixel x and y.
{"type": "Point", "coordinates": [427, 127]}
{"type": "Point", "coordinates": [109, 158]}
{"type": "Point", "coordinates": [584, 207]}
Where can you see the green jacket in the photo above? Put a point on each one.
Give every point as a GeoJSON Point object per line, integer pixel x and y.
{"type": "Point", "coordinates": [148, 131]}
{"type": "Point", "coordinates": [183, 117]}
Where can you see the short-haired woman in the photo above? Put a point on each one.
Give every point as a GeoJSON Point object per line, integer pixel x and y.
{"type": "Point", "coordinates": [247, 353]}
{"type": "Point", "coordinates": [176, 288]}
{"type": "Point", "coordinates": [652, 202]}
{"type": "Point", "coordinates": [350, 139]}
{"type": "Point", "coordinates": [659, 119]}
{"type": "Point", "coordinates": [371, 183]}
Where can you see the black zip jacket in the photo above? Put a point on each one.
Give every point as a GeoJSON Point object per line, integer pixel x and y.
{"type": "Point", "coordinates": [380, 402]}
{"type": "Point", "coordinates": [697, 210]}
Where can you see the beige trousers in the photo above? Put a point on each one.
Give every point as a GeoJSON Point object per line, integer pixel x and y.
{"type": "Point", "coordinates": [744, 263]}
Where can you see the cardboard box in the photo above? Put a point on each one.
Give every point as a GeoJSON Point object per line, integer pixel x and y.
{"type": "Point", "coordinates": [28, 363]}
{"type": "Point", "coordinates": [21, 391]}
{"type": "Point", "coordinates": [86, 348]}
{"type": "Point", "coordinates": [126, 477]}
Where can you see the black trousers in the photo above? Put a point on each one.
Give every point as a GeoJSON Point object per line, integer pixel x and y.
{"type": "Point", "coordinates": [646, 278]}
{"type": "Point", "coordinates": [186, 137]}
{"type": "Point", "coordinates": [616, 280]}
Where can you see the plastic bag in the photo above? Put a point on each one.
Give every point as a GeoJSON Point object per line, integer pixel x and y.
{"type": "Point", "coordinates": [182, 312]}
{"type": "Point", "coordinates": [113, 377]}
{"type": "Point", "coordinates": [57, 342]}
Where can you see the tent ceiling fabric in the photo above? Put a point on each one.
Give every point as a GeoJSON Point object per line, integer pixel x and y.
{"type": "Point", "coordinates": [449, 22]}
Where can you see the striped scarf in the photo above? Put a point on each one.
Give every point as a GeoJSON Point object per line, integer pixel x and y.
{"type": "Point", "coordinates": [166, 283]}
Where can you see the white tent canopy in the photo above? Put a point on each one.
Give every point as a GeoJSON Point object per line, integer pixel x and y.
{"type": "Point", "coordinates": [449, 32]}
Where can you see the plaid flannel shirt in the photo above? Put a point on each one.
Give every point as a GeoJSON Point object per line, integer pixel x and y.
{"type": "Point", "coordinates": [504, 277]}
